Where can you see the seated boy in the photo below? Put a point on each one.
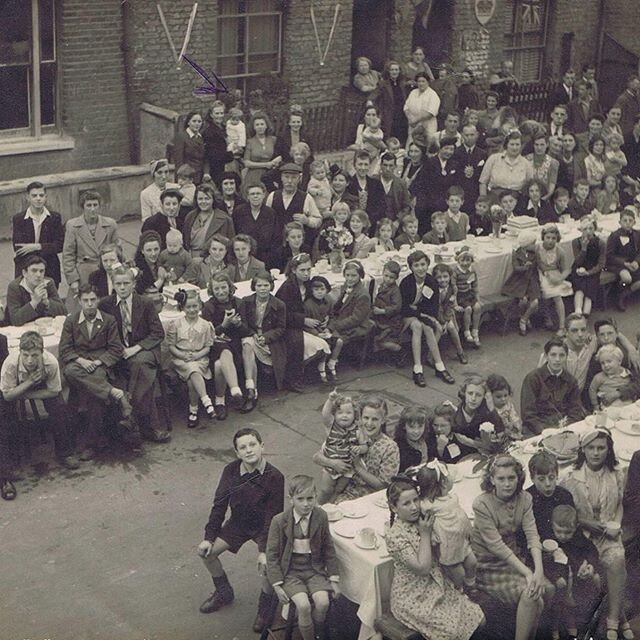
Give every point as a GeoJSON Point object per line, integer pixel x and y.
{"type": "Point", "coordinates": [623, 255]}
{"type": "Point", "coordinates": [438, 233]}
{"type": "Point", "coordinates": [33, 374]}
{"type": "Point", "coordinates": [480, 220]}
{"type": "Point", "coordinates": [584, 564]}
{"type": "Point", "coordinates": [301, 559]}
{"type": "Point", "coordinates": [457, 220]}
{"type": "Point", "coordinates": [546, 494]}
{"type": "Point", "coordinates": [409, 233]}
{"type": "Point", "coordinates": [253, 489]}
{"type": "Point", "coordinates": [582, 203]}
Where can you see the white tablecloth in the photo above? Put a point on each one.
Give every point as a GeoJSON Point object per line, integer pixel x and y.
{"type": "Point", "coordinates": [366, 576]}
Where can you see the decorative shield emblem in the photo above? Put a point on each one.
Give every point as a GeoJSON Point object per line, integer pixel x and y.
{"type": "Point", "coordinates": [484, 10]}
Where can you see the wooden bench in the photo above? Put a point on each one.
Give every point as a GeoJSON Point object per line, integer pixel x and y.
{"type": "Point", "coordinates": [391, 629]}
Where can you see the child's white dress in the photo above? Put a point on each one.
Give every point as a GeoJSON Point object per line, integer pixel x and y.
{"type": "Point", "coordinates": [451, 530]}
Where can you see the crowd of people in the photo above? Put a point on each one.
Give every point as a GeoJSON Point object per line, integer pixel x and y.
{"type": "Point", "coordinates": [435, 160]}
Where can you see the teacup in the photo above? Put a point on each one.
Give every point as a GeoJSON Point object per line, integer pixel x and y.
{"type": "Point", "coordinates": [549, 545]}
{"type": "Point", "coordinates": [333, 512]}
{"type": "Point", "coordinates": [367, 538]}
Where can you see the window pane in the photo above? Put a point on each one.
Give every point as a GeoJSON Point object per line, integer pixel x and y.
{"type": "Point", "coordinates": [263, 63]}
{"type": "Point", "coordinates": [229, 7]}
{"type": "Point", "coordinates": [48, 93]}
{"type": "Point", "coordinates": [47, 30]}
{"type": "Point", "coordinates": [231, 66]}
{"type": "Point", "coordinates": [14, 97]}
{"type": "Point", "coordinates": [15, 31]}
{"type": "Point", "coordinates": [263, 34]}
{"type": "Point", "coordinates": [229, 32]}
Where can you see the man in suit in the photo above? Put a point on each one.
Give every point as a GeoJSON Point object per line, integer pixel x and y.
{"type": "Point", "coordinates": [33, 296]}
{"type": "Point", "coordinates": [581, 108]}
{"type": "Point", "coordinates": [397, 198]}
{"type": "Point", "coordinates": [564, 92]}
{"type": "Point", "coordinates": [368, 190]}
{"type": "Point", "coordinates": [629, 103]}
{"type": "Point", "coordinates": [89, 348]}
{"type": "Point", "coordinates": [84, 237]}
{"type": "Point", "coordinates": [38, 230]}
{"type": "Point", "coordinates": [469, 160]}
{"type": "Point", "coordinates": [558, 121]}
{"type": "Point", "coordinates": [141, 333]}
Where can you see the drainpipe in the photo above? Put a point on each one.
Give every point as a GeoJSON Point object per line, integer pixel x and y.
{"type": "Point", "coordinates": [601, 31]}
{"type": "Point", "coordinates": [130, 94]}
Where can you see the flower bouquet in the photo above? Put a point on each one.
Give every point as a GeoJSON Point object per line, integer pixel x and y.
{"type": "Point", "coordinates": [337, 240]}
{"type": "Point", "coordinates": [498, 217]}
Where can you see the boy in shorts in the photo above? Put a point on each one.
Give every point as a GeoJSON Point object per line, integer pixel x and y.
{"type": "Point", "coordinates": [253, 489]}
{"type": "Point", "coordinates": [301, 558]}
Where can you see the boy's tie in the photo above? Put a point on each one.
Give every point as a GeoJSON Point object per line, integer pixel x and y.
{"type": "Point", "coordinates": [126, 321]}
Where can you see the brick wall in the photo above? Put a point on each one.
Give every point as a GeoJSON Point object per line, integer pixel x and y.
{"type": "Point", "coordinates": [621, 22]}
{"type": "Point", "coordinates": [92, 88]}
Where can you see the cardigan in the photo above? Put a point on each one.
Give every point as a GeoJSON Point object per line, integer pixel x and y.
{"type": "Point", "coordinates": [19, 309]}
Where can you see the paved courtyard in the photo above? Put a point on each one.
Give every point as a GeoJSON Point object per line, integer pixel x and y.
{"type": "Point", "coordinates": [109, 552]}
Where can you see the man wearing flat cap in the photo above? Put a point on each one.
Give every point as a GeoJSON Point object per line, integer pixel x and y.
{"type": "Point", "coordinates": [291, 204]}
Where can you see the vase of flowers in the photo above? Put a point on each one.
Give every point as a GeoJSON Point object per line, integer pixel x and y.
{"type": "Point", "coordinates": [337, 240]}
{"type": "Point", "coordinates": [498, 217]}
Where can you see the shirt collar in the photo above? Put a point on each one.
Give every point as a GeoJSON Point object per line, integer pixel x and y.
{"type": "Point", "coordinates": [29, 214]}
{"type": "Point", "coordinates": [260, 468]}
{"type": "Point", "coordinates": [25, 286]}
{"type": "Point", "coordinates": [297, 517]}
{"type": "Point", "coordinates": [550, 374]}
{"type": "Point", "coordinates": [127, 300]}
{"type": "Point", "coordinates": [82, 318]}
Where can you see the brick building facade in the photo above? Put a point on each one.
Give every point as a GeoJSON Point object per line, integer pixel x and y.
{"type": "Point", "coordinates": [113, 55]}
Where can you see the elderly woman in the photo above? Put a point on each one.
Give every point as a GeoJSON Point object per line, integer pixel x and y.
{"type": "Point", "coordinates": [200, 272]}
{"type": "Point", "coordinates": [422, 106]}
{"type": "Point", "coordinates": [188, 146]}
{"type": "Point", "coordinates": [215, 141]}
{"type": "Point", "coordinates": [597, 487]}
{"type": "Point", "coordinates": [417, 65]}
{"type": "Point", "coordinates": [259, 154]}
{"type": "Point", "coordinates": [168, 217]}
{"type": "Point", "coordinates": [84, 238]}
{"type": "Point", "coordinates": [150, 196]}
{"type": "Point", "coordinates": [507, 170]}
{"type": "Point", "coordinates": [301, 345]}
{"type": "Point", "coordinates": [391, 98]}
{"type": "Point", "coordinates": [230, 198]}
{"type": "Point", "coordinates": [366, 79]}
{"type": "Point", "coordinates": [203, 222]}
{"type": "Point", "coordinates": [150, 274]}
{"type": "Point", "coordinates": [503, 519]}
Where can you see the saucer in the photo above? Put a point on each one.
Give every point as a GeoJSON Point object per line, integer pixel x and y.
{"type": "Point", "coordinates": [381, 501]}
{"type": "Point", "coordinates": [345, 529]}
{"type": "Point", "coordinates": [358, 542]}
{"type": "Point", "coordinates": [354, 511]}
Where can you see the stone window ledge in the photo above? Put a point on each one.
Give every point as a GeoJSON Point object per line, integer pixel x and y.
{"type": "Point", "coordinates": [25, 145]}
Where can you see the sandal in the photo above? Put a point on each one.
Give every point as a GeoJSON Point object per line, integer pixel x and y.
{"type": "Point", "coordinates": [7, 490]}
{"type": "Point", "coordinates": [192, 420]}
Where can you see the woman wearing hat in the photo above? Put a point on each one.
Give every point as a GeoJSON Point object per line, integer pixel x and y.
{"type": "Point", "coordinates": [597, 487]}
{"type": "Point", "coordinates": [150, 196]}
{"type": "Point", "coordinates": [229, 186]}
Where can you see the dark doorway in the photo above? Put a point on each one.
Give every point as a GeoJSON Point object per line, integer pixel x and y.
{"type": "Point", "coordinates": [432, 29]}
{"type": "Point", "coordinates": [616, 64]}
{"type": "Point", "coordinates": [370, 36]}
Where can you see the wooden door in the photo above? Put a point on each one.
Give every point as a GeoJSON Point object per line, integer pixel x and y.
{"type": "Point", "coordinates": [370, 35]}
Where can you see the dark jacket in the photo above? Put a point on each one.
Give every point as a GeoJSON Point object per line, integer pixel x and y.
{"type": "Point", "coordinates": [428, 306]}
{"type": "Point", "coordinates": [160, 223]}
{"type": "Point", "coordinates": [619, 253]}
{"type": "Point", "coordinates": [146, 328]}
{"type": "Point", "coordinates": [273, 330]}
{"type": "Point", "coordinates": [283, 144]}
{"type": "Point", "coordinates": [51, 239]}
{"type": "Point", "coordinates": [221, 224]}
{"type": "Point", "coordinates": [431, 185]}
{"type": "Point", "coordinates": [387, 106]}
{"type": "Point", "coordinates": [376, 198]}
{"type": "Point", "coordinates": [631, 498]}
{"type": "Point", "coordinates": [397, 200]}
{"type": "Point", "coordinates": [465, 160]}
{"type": "Point", "coordinates": [289, 293]}
{"type": "Point", "coordinates": [264, 229]}
{"type": "Point", "coordinates": [280, 545]}
{"type": "Point", "coordinates": [99, 280]}
{"type": "Point", "coordinates": [19, 310]}
{"type": "Point", "coordinates": [189, 150]}
{"type": "Point", "coordinates": [255, 266]}
{"type": "Point", "coordinates": [215, 148]}
{"type": "Point", "coordinates": [351, 318]}
{"type": "Point", "coordinates": [104, 344]}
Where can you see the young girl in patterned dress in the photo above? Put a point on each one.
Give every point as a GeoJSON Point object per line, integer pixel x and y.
{"type": "Point", "coordinates": [447, 309]}
{"type": "Point", "coordinates": [467, 286]}
{"type": "Point", "coordinates": [422, 598]}
{"type": "Point", "coordinates": [502, 396]}
{"type": "Point", "coordinates": [190, 340]}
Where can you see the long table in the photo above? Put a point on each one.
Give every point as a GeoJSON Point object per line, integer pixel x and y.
{"type": "Point", "coordinates": [366, 575]}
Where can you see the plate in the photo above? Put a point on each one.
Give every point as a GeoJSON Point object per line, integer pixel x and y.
{"type": "Point", "coordinates": [492, 250]}
{"type": "Point", "coordinates": [484, 239]}
{"type": "Point", "coordinates": [345, 529]}
{"type": "Point", "coordinates": [628, 427]}
{"type": "Point", "coordinates": [353, 510]}
{"type": "Point", "coordinates": [360, 545]}
{"type": "Point", "coordinates": [334, 513]}
{"type": "Point", "coordinates": [563, 445]}
{"type": "Point", "coordinates": [381, 501]}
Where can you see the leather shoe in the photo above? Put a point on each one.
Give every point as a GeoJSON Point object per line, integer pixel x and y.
{"type": "Point", "coordinates": [418, 379]}
{"type": "Point", "coordinates": [250, 402]}
{"type": "Point", "coordinates": [88, 454]}
{"type": "Point", "coordinates": [445, 376]}
{"type": "Point", "coordinates": [295, 387]}
{"type": "Point", "coordinates": [220, 411]}
{"type": "Point", "coordinates": [153, 435]}
{"type": "Point", "coordinates": [463, 358]}
{"type": "Point", "coordinates": [237, 401]}
{"type": "Point", "coordinates": [125, 406]}
{"type": "Point", "coordinates": [216, 601]}
{"type": "Point", "coordinates": [7, 489]}
{"type": "Point", "coordinates": [69, 462]}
